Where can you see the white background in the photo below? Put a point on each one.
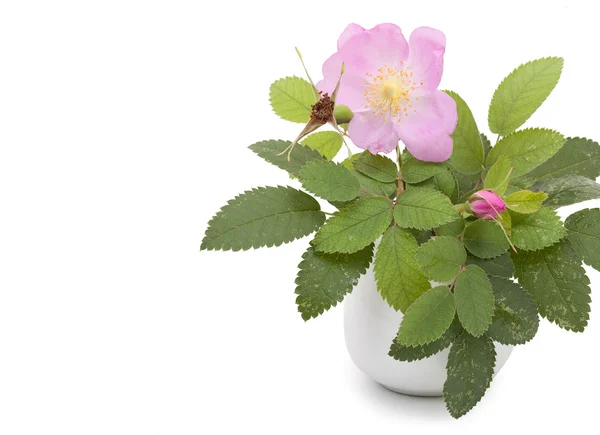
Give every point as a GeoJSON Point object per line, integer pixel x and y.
{"type": "Point", "coordinates": [124, 127]}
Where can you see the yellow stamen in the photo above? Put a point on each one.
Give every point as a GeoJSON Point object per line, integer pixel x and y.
{"type": "Point", "coordinates": [389, 91]}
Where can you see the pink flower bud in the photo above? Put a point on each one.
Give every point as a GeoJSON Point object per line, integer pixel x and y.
{"type": "Point", "coordinates": [486, 205]}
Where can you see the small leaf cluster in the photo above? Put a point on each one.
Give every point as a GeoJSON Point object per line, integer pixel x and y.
{"type": "Point", "coordinates": [461, 282]}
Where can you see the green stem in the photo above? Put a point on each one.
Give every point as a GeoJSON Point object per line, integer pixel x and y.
{"type": "Point", "coordinates": [401, 184]}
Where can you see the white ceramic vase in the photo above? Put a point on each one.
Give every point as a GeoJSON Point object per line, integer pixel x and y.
{"type": "Point", "coordinates": [370, 325]}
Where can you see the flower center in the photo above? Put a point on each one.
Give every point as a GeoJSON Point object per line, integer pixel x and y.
{"type": "Point", "coordinates": [389, 91]}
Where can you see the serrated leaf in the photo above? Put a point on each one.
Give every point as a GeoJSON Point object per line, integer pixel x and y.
{"type": "Point", "coordinates": [377, 167]}
{"type": "Point", "coordinates": [584, 234]}
{"type": "Point", "coordinates": [443, 182]}
{"type": "Point", "coordinates": [326, 143]}
{"type": "Point", "coordinates": [470, 370]}
{"type": "Point", "coordinates": [415, 171]}
{"type": "Point", "coordinates": [420, 235]}
{"type": "Point", "coordinates": [568, 190]}
{"type": "Point", "coordinates": [265, 216]}
{"type": "Point", "coordinates": [522, 92]}
{"type": "Point", "coordinates": [466, 184]}
{"type": "Point", "coordinates": [348, 162]}
{"type": "Point", "coordinates": [355, 226]}
{"type": "Point", "coordinates": [498, 176]}
{"type": "Point", "coordinates": [468, 153]}
{"type": "Point", "coordinates": [485, 239]}
{"type": "Point", "coordinates": [578, 156]}
{"type": "Point", "coordinates": [537, 231]}
{"type": "Point", "coordinates": [501, 266]}
{"type": "Point", "coordinates": [269, 150]}
{"type": "Point", "coordinates": [441, 258]}
{"type": "Point", "coordinates": [399, 279]}
{"type": "Point", "coordinates": [516, 318]}
{"type": "Point", "coordinates": [423, 208]}
{"type": "Point", "coordinates": [329, 180]}
{"type": "Point", "coordinates": [292, 99]}
{"type": "Point", "coordinates": [487, 145]}
{"type": "Point", "coordinates": [324, 279]}
{"type": "Point", "coordinates": [557, 283]}
{"type": "Point", "coordinates": [474, 300]}
{"type": "Point", "coordinates": [526, 149]}
{"type": "Point", "coordinates": [525, 201]}
{"type": "Point", "coordinates": [370, 187]}
{"type": "Point", "coordinates": [452, 229]}
{"type": "Point", "coordinates": [427, 318]}
{"type": "Point", "coordinates": [407, 353]}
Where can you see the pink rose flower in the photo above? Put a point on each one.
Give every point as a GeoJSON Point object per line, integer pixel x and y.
{"type": "Point", "coordinates": [391, 86]}
{"type": "Point", "coordinates": [486, 205]}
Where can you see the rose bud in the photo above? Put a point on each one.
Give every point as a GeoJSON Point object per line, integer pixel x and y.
{"type": "Point", "coordinates": [486, 204]}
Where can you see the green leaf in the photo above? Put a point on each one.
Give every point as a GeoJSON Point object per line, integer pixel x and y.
{"type": "Point", "coordinates": [485, 239]}
{"type": "Point", "coordinates": [378, 167]}
{"type": "Point", "coordinates": [468, 154]}
{"type": "Point", "coordinates": [443, 182]}
{"type": "Point", "coordinates": [466, 184]}
{"type": "Point", "coordinates": [568, 190]}
{"type": "Point", "coordinates": [470, 371]}
{"type": "Point", "coordinates": [266, 216]}
{"type": "Point", "coordinates": [474, 300]}
{"type": "Point", "coordinates": [355, 226]}
{"type": "Point", "coordinates": [498, 176]}
{"type": "Point", "coordinates": [537, 231]}
{"type": "Point", "coordinates": [423, 208]}
{"type": "Point", "coordinates": [441, 258]}
{"type": "Point", "coordinates": [526, 149]}
{"type": "Point", "coordinates": [399, 279]}
{"type": "Point", "coordinates": [327, 143]}
{"type": "Point", "coordinates": [452, 229]}
{"type": "Point", "coordinates": [522, 92]}
{"type": "Point", "coordinates": [525, 201]}
{"type": "Point", "coordinates": [516, 318]}
{"type": "Point", "coordinates": [348, 162]}
{"type": "Point", "coordinates": [557, 283]}
{"type": "Point", "coordinates": [578, 156]}
{"type": "Point", "coordinates": [487, 145]}
{"type": "Point", "coordinates": [415, 171]}
{"type": "Point", "coordinates": [584, 234]}
{"type": "Point", "coordinates": [427, 318]}
{"type": "Point", "coordinates": [324, 279]}
{"type": "Point", "coordinates": [370, 187]}
{"type": "Point", "coordinates": [329, 180]}
{"type": "Point", "coordinates": [301, 155]}
{"type": "Point", "coordinates": [501, 266]}
{"type": "Point", "coordinates": [407, 353]}
{"type": "Point", "coordinates": [292, 99]}
{"type": "Point", "coordinates": [420, 235]}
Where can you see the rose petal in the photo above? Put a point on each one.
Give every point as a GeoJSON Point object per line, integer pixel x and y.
{"type": "Point", "coordinates": [372, 49]}
{"type": "Point", "coordinates": [350, 31]}
{"type": "Point", "coordinates": [426, 57]}
{"type": "Point", "coordinates": [426, 132]}
{"type": "Point", "coordinates": [369, 131]}
{"type": "Point", "coordinates": [352, 86]}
